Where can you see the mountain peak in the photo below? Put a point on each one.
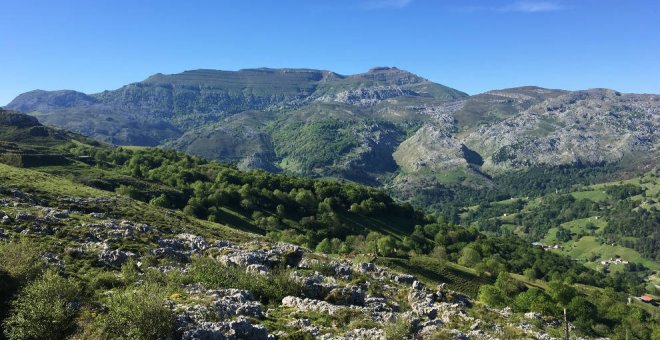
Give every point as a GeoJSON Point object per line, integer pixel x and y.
{"type": "Point", "coordinates": [382, 69]}
{"type": "Point", "coordinates": [391, 75]}
{"type": "Point", "coordinates": [40, 100]}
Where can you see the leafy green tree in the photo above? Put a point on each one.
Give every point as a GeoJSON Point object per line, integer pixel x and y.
{"type": "Point", "coordinates": [582, 312]}
{"type": "Point", "coordinates": [508, 285]}
{"type": "Point", "coordinates": [531, 273]}
{"type": "Point", "coordinates": [324, 246]}
{"type": "Point", "coordinates": [561, 292]}
{"type": "Point", "coordinates": [386, 245]}
{"type": "Point", "coordinates": [161, 201]}
{"type": "Point", "coordinates": [492, 296]}
{"type": "Point", "coordinates": [469, 257]}
{"type": "Point", "coordinates": [281, 210]}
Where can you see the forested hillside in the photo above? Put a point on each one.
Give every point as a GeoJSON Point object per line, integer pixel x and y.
{"type": "Point", "coordinates": [151, 243]}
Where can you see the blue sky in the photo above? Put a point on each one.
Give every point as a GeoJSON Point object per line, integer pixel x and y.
{"type": "Point", "coordinates": [474, 46]}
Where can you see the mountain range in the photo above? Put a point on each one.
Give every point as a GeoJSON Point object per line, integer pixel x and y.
{"type": "Point", "coordinates": [386, 127]}
{"type": "Point", "coordinates": [146, 242]}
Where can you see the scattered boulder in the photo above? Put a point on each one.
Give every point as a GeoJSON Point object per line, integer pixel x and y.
{"type": "Point", "coordinates": [458, 335]}
{"type": "Point", "coordinates": [174, 244]}
{"type": "Point", "coordinates": [115, 258]}
{"type": "Point", "coordinates": [166, 252]}
{"type": "Point", "coordinates": [365, 334]}
{"type": "Point", "coordinates": [305, 304]}
{"type": "Point", "coordinates": [430, 327]}
{"type": "Point", "coordinates": [57, 214]}
{"type": "Point", "coordinates": [244, 258]}
{"type": "Point", "coordinates": [39, 229]}
{"type": "Point", "coordinates": [24, 216]}
{"type": "Point", "coordinates": [99, 216]}
{"type": "Point", "coordinates": [342, 270]}
{"type": "Point", "coordinates": [366, 267]}
{"type": "Point", "coordinates": [533, 315]}
{"type": "Point", "coordinates": [316, 285]}
{"type": "Point", "coordinates": [257, 269]}
{"type": "Point", "coordinates": [290, 254]}
{"type": "Point", "coordinates": [307, 263]}
{"type": "Point", "coordinates": [232, 302]}
{"type": "Point", "coordinates": [350, 295]}
{"type": "Point", "coordinates": [305, 325]}
{"type": "Point", "coordinates": [231, 330]}
{"type": "Point", "coordinates": [193, 242]}
{"type": "Point", "coordinates": [404, 279]}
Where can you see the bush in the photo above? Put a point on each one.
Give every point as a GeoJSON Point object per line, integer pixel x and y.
{"type": "Point", "coordinates": [106, 280]}
{"type": "Point", "coordinates": [269, 289]}
{"type": "Point", "coordinates": [137, 313]}
{"type": "Point", "coordinates": [399, 330]}
{"type": "Point", "coordinates": [22, 260]}
{"type": "Point", "coordinates": [44, 309]}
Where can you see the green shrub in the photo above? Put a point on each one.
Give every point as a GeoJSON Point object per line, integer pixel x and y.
{"type": "Point", "coordinates": [106, 280]}
{"type": "Point", "coordinates": [130, 271]}
{"type": "Point", "coordinates": [269, 289]}
{"type": "Point", "coordinates": [21, 260]}
{"type": "Point", "coordinates": [137, 313]}
{"type": "Point", "coordinates": [44, 309]}
{"type": "Point", "coordinates": [399, 330]}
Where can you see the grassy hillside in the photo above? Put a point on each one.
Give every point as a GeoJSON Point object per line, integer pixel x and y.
{"type": "Point", "coordinates": [611, 227]}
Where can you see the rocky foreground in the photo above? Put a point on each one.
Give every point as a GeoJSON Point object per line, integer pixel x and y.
{"type": "Point", "coordinates": [342, 298]}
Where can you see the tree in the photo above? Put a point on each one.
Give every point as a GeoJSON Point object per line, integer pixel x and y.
{"type": "Point", "coordinates": [386, 245]}
{"type": "Point", "coordinates": [469, 257]}
{"type": "Point", "coordinates": [324, 246]}
{"type": "Point", "coordinates": [507, 285]}
{"type": "Point", "coordinates": [492, 296]}
{"type": "Point", "coordinates": [531, 273]}
{"type": "Point", "coordinates": [22, 260]}
{"type": "Point", "coordinates": [580, 307]}
{"type": "Point", "coordinates": [161, 201]}
{"type": "Point", "coordinates": [561, 292]}
{"type": "Point", "coordinates": [281, 210]}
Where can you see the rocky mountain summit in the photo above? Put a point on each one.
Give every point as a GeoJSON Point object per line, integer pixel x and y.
{"type": "Point", "coordinates": [559, 128]}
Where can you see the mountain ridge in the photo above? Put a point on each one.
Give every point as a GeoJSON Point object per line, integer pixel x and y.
{"type": "Point", "coordinates": [382, 127]}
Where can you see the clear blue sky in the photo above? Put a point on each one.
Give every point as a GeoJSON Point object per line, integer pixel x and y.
{"type": "Point", "coordinates": [474, 46]}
